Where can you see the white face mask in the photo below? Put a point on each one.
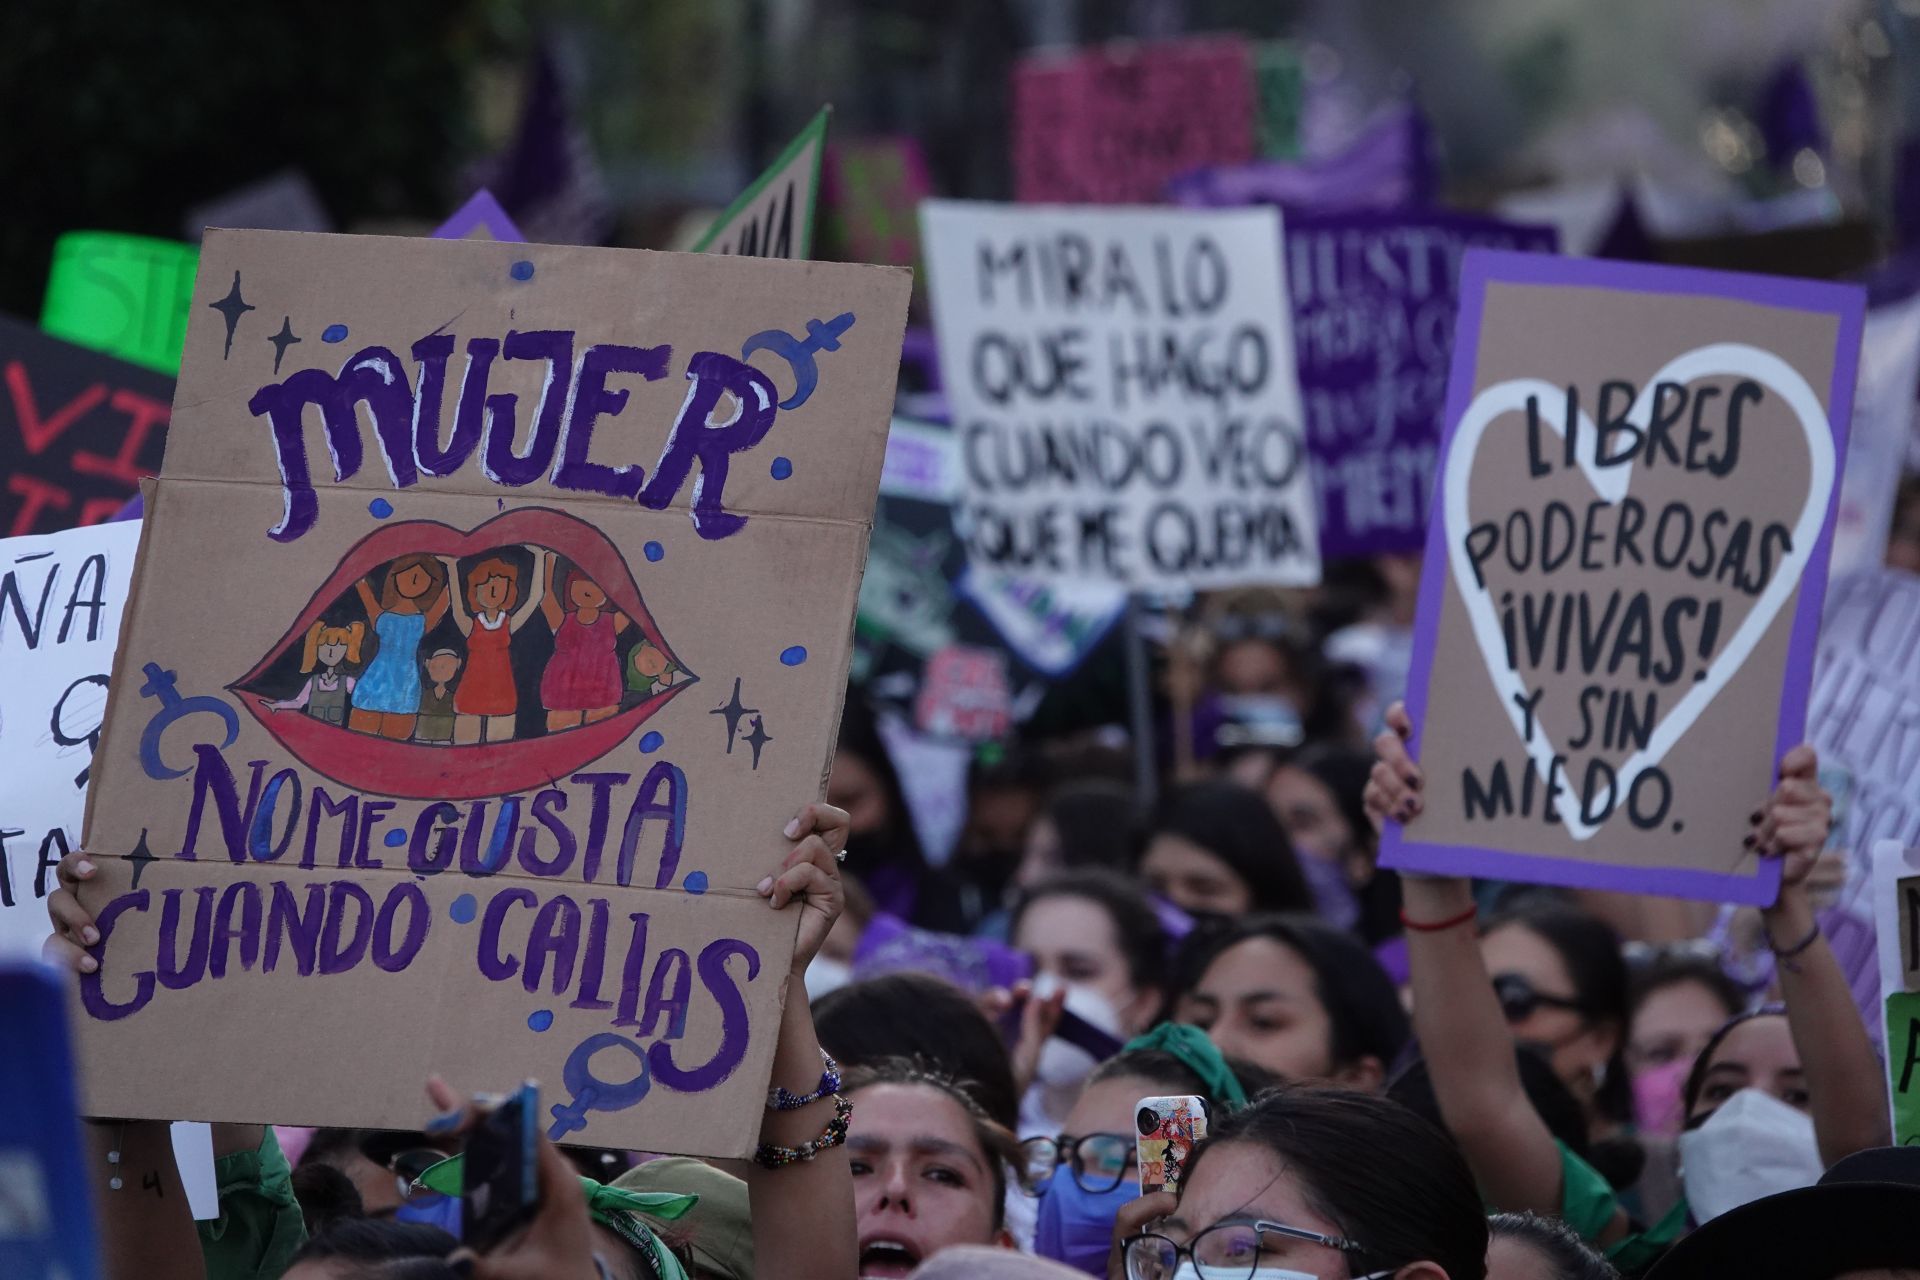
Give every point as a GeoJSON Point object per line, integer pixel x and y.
{"type": "Point", "coordinates": [1062, 1063]}
{"type": "Point", "coordinates": [825, 974]}
{"type": "Point", "coordinates": [1754, 1146]}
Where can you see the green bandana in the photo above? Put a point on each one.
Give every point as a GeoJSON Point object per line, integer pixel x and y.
{"type": "Point", "coordinates": [1191, 1046]}
{"type": "Point", "coordinates": [615, 1208]}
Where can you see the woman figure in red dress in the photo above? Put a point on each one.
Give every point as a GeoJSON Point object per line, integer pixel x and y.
{"type": "Point", "coordinates": [582, 680]}
{"type": "Point", "coordinates": [485, 702]}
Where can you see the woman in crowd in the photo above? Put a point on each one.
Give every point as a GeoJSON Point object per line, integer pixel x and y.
{"type": "Point", "coordinates": [1313, 1184]}
{"type": "Point", "coordinates": [1096, 930]}
{"type": "Point", "coordinates": [1677, 1001]}
{"type": "Point", "coordinates": [1460, 1021]}
{"type": "Point", "coordinates": [1216, 850]}
{"type": "Point", "coordinates": [1318, 795]}
{"type": "Point", "coordinates": [1294, 997]}
{"type": "Point", "coordinates": [1084, 824]}
{"type": "Point", "coordinates": [882, 849]}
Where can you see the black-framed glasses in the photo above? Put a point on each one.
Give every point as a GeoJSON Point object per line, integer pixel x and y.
{"type": "Point", "coordinates": [408, 1164]}
{"type": "Point", "coordinates": [1098, 1161]}
{"type": "Point", "coordinates": [1229, 1251]}
{"type": "Point", "coordinates": [1519, 1000]}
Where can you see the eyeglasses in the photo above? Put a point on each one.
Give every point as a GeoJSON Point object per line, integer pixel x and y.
{"type": "Point", "coordinates": [1098, 1161]}
{"type": "Point", "coordinates": [1519, 1000]}
{"type": "Point", "coordinates": [1229, 1251]}
{"type": "Point", "coordinates": [407, 1166]}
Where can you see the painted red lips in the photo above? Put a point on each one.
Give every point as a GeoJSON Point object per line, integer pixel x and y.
{"type": "Point", "coordinates": [414, 770]}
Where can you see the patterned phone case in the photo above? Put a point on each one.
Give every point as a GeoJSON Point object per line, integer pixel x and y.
{"type": "Point", "coordinates": [1169, 1129]}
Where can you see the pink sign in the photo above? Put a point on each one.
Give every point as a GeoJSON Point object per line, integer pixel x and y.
{"type": "Point", "coordinates": [1112, 125]}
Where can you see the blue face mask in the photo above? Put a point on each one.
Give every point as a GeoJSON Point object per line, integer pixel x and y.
{"type": "Point", "coordinates": [1076, 1226]}
{"type": "Point", "coordinates": [434, 1210]}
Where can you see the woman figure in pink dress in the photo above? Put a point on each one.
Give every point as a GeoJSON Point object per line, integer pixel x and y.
{"type": "Point", "coordinates": [582, 680]}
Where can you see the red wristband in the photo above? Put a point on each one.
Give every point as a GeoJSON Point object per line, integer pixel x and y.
{"type": "Point", "coordinates": [1439, 926]}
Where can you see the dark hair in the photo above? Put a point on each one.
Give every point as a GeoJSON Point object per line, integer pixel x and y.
{"type": "Point", "coordinates": [1239, 828]}
{"type": "Point", "coordinates": [1136, 926]}
{"type": "Point", "coordinates": [1552, 1101]}
{"type": "Point", "coordinates": [1097, 823]}
{"type": "Point", "coordinates": [1416, 1201]}
{"type": "Point", "coordinates": [996, 1140]}
{"type": "Point", "coordinates": [1697, 1074]}
{"type": "Point", "coordinates": [1567, 1256]}
{"type": "Point", "coordinates": [325, 1195]}
{"type": "Point", "coordinates": [899, 844]}
{"type": "Point", "coordinates": [1364, 1013]}
{"type": "Point", "coordinates": [925, 1019]}
{"type": "Point", "coordinates": [1343, 771]}
{"type": "Point", "coordinates": [1169, 1072]}
{"type": "Point", "coordinates": [1672, 969]}
{"type": "Point", "coordinates": [1590, 950]}
{"type": "Point", "coordinates": [379, 1240]}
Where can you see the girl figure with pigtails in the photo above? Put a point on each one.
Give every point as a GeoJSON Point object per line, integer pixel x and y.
{"type": "Point", "coordinates": [326, 693]}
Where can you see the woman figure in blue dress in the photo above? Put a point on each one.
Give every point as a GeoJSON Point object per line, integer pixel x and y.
{"type": "Point", "coordinates": [386, 701]}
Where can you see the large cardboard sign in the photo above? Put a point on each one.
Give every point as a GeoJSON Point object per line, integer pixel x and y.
{"type": "Point", "coordinates": [1624, 571]}
{"type": "Point", "coordinates": [1111, 125]}
{"type": "Point", "coordinates": [1123, 390]}
{"type": "Point", "coordinates": [481, 646]}
{"type": "Point", "coordinates": [61, 596]}
{"type": "Point", "coordinates": [1864, 713]}
{"type": "Point", "coordinates": [1374, 298]}
{"type": "Point", "coordinates": [78, 430]}
{"type": "Point", "coordinates": [773, 218]}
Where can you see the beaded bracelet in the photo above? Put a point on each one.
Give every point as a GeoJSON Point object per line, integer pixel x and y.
{"type": "Point", "coordinates": [770, 1156]}
{"type": "Point", "coordinates": [779, 1099]}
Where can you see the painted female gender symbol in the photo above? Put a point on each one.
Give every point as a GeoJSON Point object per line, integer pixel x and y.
{"type": "Point", "coordinates": [590, 1093]}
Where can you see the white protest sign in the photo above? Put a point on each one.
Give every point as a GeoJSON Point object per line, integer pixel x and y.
{"type": "Point", "coordinates": [1124, 394]}
{"type": "Point", "coordinates": [60, 601]}
{"type": "Point", "coordinates": [1883, 421]}
{"type": "Point", "coordinates": [1864, 709]}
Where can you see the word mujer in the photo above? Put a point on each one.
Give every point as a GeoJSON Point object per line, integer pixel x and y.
{"type": "Point", "coordinates": [406, 422]}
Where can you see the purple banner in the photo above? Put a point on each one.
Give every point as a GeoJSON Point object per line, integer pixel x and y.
{"type": "Point", "coordinates": [1374, 297]}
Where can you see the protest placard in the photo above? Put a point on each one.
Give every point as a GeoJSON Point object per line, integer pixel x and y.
{"type": "Point", "coordinates": [78, 431]}
{"type": "Point", "coordinates": [1864, 711]}
{"type": "Point", "coordinates": [465, 693]}
{"type": "Point", "coordinates": [873, 187]}
{"type": "Point", "coordinates": [480, 218]}
{"type": "Point", "coordinates": [1111, 125]}
{"type": "Point", "coordinates": [1124, 395]}
{"type": "Point", "coordinates": [1883, 422]}
{"type": "Point", "coordinates": [125, 295]}
{"type": "Point", "coordinates": [1896, 912]}
{"type": "Point", "coordinates": [1636, 497]}
{"type": "Point", "coordinates": [773, 218]}
{"type": "Point", "coordinates": [61, 596]}
{"type": "Point", "coordinates": [1374, 296]}
{"type": "Point", "coordinates": [1280, 91]}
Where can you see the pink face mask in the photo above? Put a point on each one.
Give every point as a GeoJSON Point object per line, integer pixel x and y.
{"type": "Point", "coordinates": [1656, 1097]}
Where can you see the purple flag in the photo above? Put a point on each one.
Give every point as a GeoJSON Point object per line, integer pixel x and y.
{"type": "Point", "coordinates": [1390, 165]}
{"type": "Point", "coordinates": [547, 178]}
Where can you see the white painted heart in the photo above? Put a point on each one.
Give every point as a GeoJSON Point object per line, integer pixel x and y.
{"type": "Point", "coordinates": [1719, 359]}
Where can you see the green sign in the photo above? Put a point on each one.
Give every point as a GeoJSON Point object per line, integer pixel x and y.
{"type": "Point", "coordinates": [125, 295]}
{"type": "Point", "coordinates": [773, 218]}
{"type": "Point", "coordinates": [1903, 1064]}
{"type": "Point", "coordinates": [1279, 91]}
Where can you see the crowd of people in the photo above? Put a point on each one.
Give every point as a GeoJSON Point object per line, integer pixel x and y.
{"type": "Point", "coordinates": [1415, 1077]}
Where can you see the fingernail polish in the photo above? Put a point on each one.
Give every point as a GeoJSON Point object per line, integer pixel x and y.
{"type": "Point", "coordinates": [766, 883]}
{"type": "Point", "coordinates": [91, 934]}
{"type": "Point", "coordinates": [1753, 819]}
{"type": "Point", "coordinates": [792, 828]}
{"type": "Point", "coordinates": [1750, 841]}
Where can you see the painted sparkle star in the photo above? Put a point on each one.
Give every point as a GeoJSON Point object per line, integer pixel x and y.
{"type": "Point", "coordinates": [757, 739]}
{"type": "Point", "coordinates": [734, 711]}
{"type": "Point", "coordinates": [281, 341]}
{"type": "Point", "coordinates": [231, 308]}
{"type": "Point", "coordinates": [141, 857]}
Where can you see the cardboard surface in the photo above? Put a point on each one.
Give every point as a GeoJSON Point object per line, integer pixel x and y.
{"type": "Point", "coordinates": [78, 431]}
{"type": "Point", "coordinates": [61, 598]}
{"type": "Point", "coordinates": [1123, 391]}
{"type": "Point", "coordinates": [1374, 297]}
{"type": "Point", "coordinates": [570, 896]}
{"type": "Point", "coordinates": [1613, 647]}
{"type": "Point", "coordinates": [1110, 125]}
{"type": "Point", "coordinates": [1864, 712]}
{"type": "Point", "coordinates": [773, 218]}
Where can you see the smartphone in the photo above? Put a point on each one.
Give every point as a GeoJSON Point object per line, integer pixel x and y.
{"type": "Point", "coordinates": [499, 1177]}
{"type": "Point", "coordinates": [1169, 1128]}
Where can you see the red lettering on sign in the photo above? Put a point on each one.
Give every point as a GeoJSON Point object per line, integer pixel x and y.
{"type": "Point", "coordinates": [38, 432]}
{"type": "Point", "coordinates": [35, 494]}
{"type": "Point", "coordinates": [143, 415]}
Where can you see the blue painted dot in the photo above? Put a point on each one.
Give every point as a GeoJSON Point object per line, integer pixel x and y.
{"type": "Point", "coordinates": [782, 468]}
{"type": "Point", "coordinates": [654, 551]}
{"type": "Point", "coordinates": [696, 882]}
{"type": "Point", "coordinates": [651, 743]}
{"type": "Point", "coordinates": [521, 270]}
{"type": "Point", "coordinates": [395, 838]}
{"type": "Point", "coordinates": [464, 908]}
{"type": "Point", "coordinates": [794, 656]}
{"type": "Point", "coordinates": [380, 508]}
{"type": "Point", "coordinates": [540, 1019]}
{"type": "Point", "coordinates": [334, 333]}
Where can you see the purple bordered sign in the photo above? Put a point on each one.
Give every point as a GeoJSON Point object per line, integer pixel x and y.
{"type": "Point", "coordinates": [1625, 564]}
